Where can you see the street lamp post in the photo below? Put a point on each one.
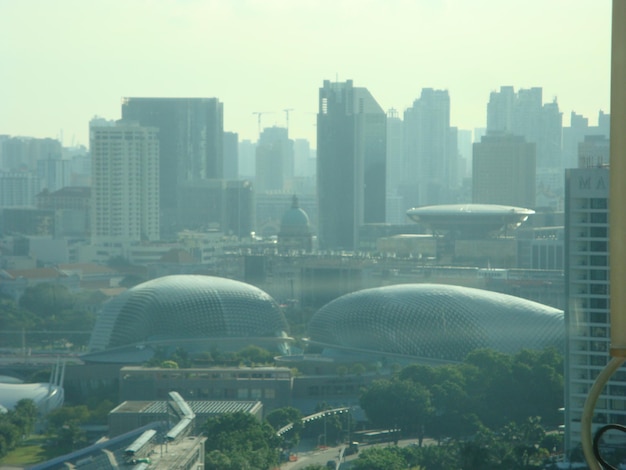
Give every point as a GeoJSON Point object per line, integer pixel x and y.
{"type": "Point", "coordinates": [325, 444]}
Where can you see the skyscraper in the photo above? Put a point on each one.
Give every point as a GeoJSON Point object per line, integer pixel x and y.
{"type": "Point", "coordinates": [231, 156]}
{"type": "Point", "coordinates": [503, 171]}
{"type": "Point", "coordinates": [303, 159]}
{"type": "Point", "coordinates": [191, 144]}
{"type": "Point", "coordinates": [523, 113]}
{"type": "Point", "coordinates": [588, 301]}
{"type": "Point", "coordinates": [53, 172]}
{"type": "Point", "coordinates": [274, 160]}
{"type": "Point", "coordinates": [18, 188]}
{"type": "Point", "coordinates": [395, 209]}
{"type": "Point", "coordinates": [500, 110]}
{"type": "Point", "coordinates": [125, 182]}
{"type": "Point", "coordinates": [430, 151]}
{"type": "Point", "coordinates": [351, 160]}
{"type": "Point", "coordinates": [247, 159]}
{"type": "Point", "coordinates": [576, 133]}
{"type": "Point", "coordinates": [593, 151]}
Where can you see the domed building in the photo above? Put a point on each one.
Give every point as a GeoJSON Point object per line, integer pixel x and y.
{"type": "Point", "coordinates": [433, 323]}
{"type": "Point", "coordinates": [193, 312]}
{"type": "Point", "coordinates": [295, 231]}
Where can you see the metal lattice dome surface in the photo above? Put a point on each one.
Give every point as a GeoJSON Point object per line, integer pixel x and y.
{"type": "Point", "coordinates": [433, 321]}
{"type": "Point", "coordinates": [186, 307]}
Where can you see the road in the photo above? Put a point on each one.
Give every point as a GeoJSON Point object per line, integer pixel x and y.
{"type": "Point", "coordinates": [315, 457]}
{"type": "Point", "coordinates": [322, 456]}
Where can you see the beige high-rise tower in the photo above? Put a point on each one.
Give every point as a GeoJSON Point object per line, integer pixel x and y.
{"type": "Point", "coordinates": [125, 182]}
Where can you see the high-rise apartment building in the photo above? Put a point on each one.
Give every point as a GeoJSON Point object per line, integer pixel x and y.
{"type": "Point", "coordinates": [125, 182]}
{"type": "Point", "coordinates": [431, 159]}
{"type": "Point", "coordinates": [587, 316]}
{"type": "Point", "coordinates": [351, 161]}
{"type": "Point", "coordinates": [227, 205]}
{"type": "Point", "coordinates": [523, 113]}
{"type": "Point", "coordinates": [190, 140]}
{"type": "Point", "coordinates": [500, 110]}
{"type": "Point", "coordinates": [231, 156]}
{"type": "Point", "coordinates": [577, 131]}
{"type": "Point", "coordinates": [503, 171]}
{"type": "Point", "coordinates": [274, 160]}
{"type": "Point", "coordinates": [303, 159]}
{"type": "Point", "coordinates": [395, 211]}
{"type": "Point", "coordinates": [18, 188]}
{"type": "Point", "coordinates": [593, 151]}
{"type": "Point", "coordinates": [22, 153]}
{"type": "Point", "coordinates": [71, 206]}
{"type": "Point", "coordinates": [247, 159]}
{"type": "Point", "coordinates": [54, 173]}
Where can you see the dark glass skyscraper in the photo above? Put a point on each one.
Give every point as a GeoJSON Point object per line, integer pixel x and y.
{"type": "Point", "coordinates": [351, 158]}
{"type": "Point", "coordinates": [191, 144]}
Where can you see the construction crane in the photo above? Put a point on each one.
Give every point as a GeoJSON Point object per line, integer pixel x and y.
{"type": "Point", "coordinates": [259, 114]}
{"type": "Point", "coordinates": [287, 111]}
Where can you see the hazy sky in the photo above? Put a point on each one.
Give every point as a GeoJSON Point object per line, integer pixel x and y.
{"type": "Point", "coordinates": [64, 61]}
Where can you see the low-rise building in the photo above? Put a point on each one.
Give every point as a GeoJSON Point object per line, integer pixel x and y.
{"type": "Point", "coordinates": [270, 385]}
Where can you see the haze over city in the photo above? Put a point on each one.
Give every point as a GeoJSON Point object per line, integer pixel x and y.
{"type": "Point", "coordinates": [65, 61]}
{"type": "Point", "coordinates": [281, 230]}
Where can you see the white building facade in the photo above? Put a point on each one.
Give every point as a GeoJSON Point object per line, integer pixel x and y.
{"type": "Point", "coordinates": [125, 179]}
{"type": "Point", "coordinates": [587, 316]}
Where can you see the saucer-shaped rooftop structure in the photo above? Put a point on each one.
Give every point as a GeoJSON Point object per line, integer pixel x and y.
{"type": "Point", "coordinates": [188, 311]}
{"type": "Point", "coordinates": [434, 322]}
{"type": "Point", "coordinates": [470, 219]}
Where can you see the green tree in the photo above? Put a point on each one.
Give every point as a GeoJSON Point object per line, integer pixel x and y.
{"type": "Point", "coordinates": [169, 364]}
{"type": "Point", "coordinates": [440, 457]}
{"type": "Point", "coordinates": [255, 355]}
{"type": "Point", "coordinates": [398, 404]}
{"type": "Point", "coordinates": [181, 357]}
{"type": "Point", "coordinates": [489, 383]}
{"type": "Point", "coordinates": [100, 413]}
{"type": "Point", "coordinates": [451, 404]}
{"type": "Point", "coordinates": [241, 439]}
{"type": "Point", "coordinates": [10, 435]}
{"type": "Point", "coordinates": [357, 369]}
{"type": "Point", "coordinates": [329, 427]}
{"type": "Point", "coordinates": [505, 388]}
{"type": "Point", "coordinates": [418, 373]}
{"type": "Point", "coordinates": [71, 437]}
{"type": "Point", "coordinates": [25, 415]}
{"type": "Point", "coordinates": [283, 416]}
{"type": "Point", "coordinates": [538, 379]}
{"type": "Point", "coordinates": [52, 307]}
{"type": "Point", "coordinates": [380, 458]}
{"type": "Point", "coordinates": [524, 440]}
{"type": "Point", "coordinates": [65, 415]}
{"type": "Point", "coordinates": [46, 300]}
{"type": "Point", "coordinates": [14, 318]}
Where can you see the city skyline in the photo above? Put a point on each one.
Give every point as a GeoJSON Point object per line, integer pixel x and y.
{"type": "Point", "coordinates": [71, 61]}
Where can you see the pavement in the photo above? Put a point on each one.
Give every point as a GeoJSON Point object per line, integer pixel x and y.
{"type": "Point", "coordinates": [309, 453]}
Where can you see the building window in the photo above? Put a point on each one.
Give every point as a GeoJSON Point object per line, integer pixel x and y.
{"type": "Point", "coordinates": [598, 203]}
